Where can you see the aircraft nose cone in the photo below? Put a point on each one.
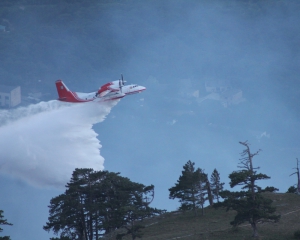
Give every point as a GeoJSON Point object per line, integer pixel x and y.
{"type": "Point", "coordinates": [141, 89]}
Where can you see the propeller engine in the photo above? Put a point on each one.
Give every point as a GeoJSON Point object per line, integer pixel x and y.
{"type": "Point", "coordinates": [121, 82]}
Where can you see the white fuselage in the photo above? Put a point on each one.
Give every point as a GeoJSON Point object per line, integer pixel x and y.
{"type": "Point", "coordinates": [122, 92]}
{"type": "Point", "coordinates": [109, 91]}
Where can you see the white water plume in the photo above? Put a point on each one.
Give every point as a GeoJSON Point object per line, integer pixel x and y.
{"type": "Point", "coordinates": [43, 143]}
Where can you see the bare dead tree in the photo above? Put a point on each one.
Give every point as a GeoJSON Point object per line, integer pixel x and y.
{"type": "Point", "coordinates": [298, 176]}
{"type": "Point", "coordinates": [246, 163]}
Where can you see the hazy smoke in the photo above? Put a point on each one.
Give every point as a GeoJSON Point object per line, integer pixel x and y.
{"type": "Point", "coordinates": [43, 143]}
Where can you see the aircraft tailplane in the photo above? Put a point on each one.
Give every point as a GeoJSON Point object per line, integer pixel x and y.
{"type": "Point", "coordinates": [64, 94]}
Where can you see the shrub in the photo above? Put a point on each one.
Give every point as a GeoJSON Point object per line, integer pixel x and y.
{"type": "Point", "coordinates": [297, 234]}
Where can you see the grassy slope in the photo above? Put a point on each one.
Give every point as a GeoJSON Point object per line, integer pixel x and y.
{"type": "Point", "coordinates": [215, 223]}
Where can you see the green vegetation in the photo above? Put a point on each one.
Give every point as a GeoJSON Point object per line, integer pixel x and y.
{"type": "Point", "coordinates": [216, 184]}
{"type": "Point", "coordinates": [3, 222]}
{"type": "Point", "coordinates": [297, 234]}
{"type": "Point", "coordinates": [104, 205]}
{"type": "Point", "coordinates": [292, 189]}
{"type": "Point", "coordinates": [215, 224]}
{"type": "Point", "coordinates": [73, 39]}
{"type": "Point", "coordinates": [99, 202]}
{"type": "Point", "coordinates": [190, 188]}
{"type": "Point", "coordinates": [251, 206]}
{"type": "Point", "coordinates": [193, 188]}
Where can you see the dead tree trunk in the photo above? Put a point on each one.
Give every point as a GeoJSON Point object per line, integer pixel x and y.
{"type": "Point", "coordinates": [298, 176]}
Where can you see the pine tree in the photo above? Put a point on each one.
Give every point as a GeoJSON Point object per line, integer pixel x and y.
{"type": "Point", "coordinates": [97, 203]}
{"type": "Point", "coordinates": [216, 185]}
{"type": "Point", "coordinates": [3, 222]}
{"type": "Point", "coordinates": [201, 189]}
{"type": "Point", "coordinates": [210, 196]}
{"type": "Point", "coordinates": [190, 188]}
{"type": "Point", "coordinates": [138, 210]}
{"type": "Point", "coordinates": [251, 206]}
{"type": "Point", "coordinates": [292, 189]}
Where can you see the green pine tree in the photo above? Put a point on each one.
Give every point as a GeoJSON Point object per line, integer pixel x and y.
{"type": "Point", "coordinates": [216, 185]}
{"type": "Point", "coordinates": [249, 203]}
{"type": "Point", "coordinates": [98, 202]}
{"type": "Point", "coordinates": [190, 188]}
{"type": "Point", "coordinates": [3, 222]}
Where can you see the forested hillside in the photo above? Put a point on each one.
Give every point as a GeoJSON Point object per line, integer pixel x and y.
{"type": "Point", "coordinates": [214, 225]}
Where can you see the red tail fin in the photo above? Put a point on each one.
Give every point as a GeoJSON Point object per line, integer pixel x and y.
{"type": "Point", "coordinates": [64, 94]}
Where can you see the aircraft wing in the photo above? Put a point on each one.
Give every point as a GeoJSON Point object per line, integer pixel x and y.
{"type": "Point", "coordinates": [106, 91]}
{"type": "Point", "coordinates": [102, 94]}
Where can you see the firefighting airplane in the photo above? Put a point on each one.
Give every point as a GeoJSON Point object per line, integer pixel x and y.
{"type": "Point", "coordinates": [109, 91]}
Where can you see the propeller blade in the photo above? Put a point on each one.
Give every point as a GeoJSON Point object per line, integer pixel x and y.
{"type": "Point", "coordinates": [120, 85]}
{"type": "Point", "coordinates": [122, 80]}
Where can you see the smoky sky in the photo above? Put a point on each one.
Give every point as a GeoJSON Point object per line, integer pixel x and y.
{"type": "Point", "coordinates": [238, 41]}
{"type": "Point", "coordinates": [172, 48]}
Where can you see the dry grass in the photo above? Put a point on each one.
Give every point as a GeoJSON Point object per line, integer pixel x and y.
{"type": "Point", "coordinates": [214, 225]}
